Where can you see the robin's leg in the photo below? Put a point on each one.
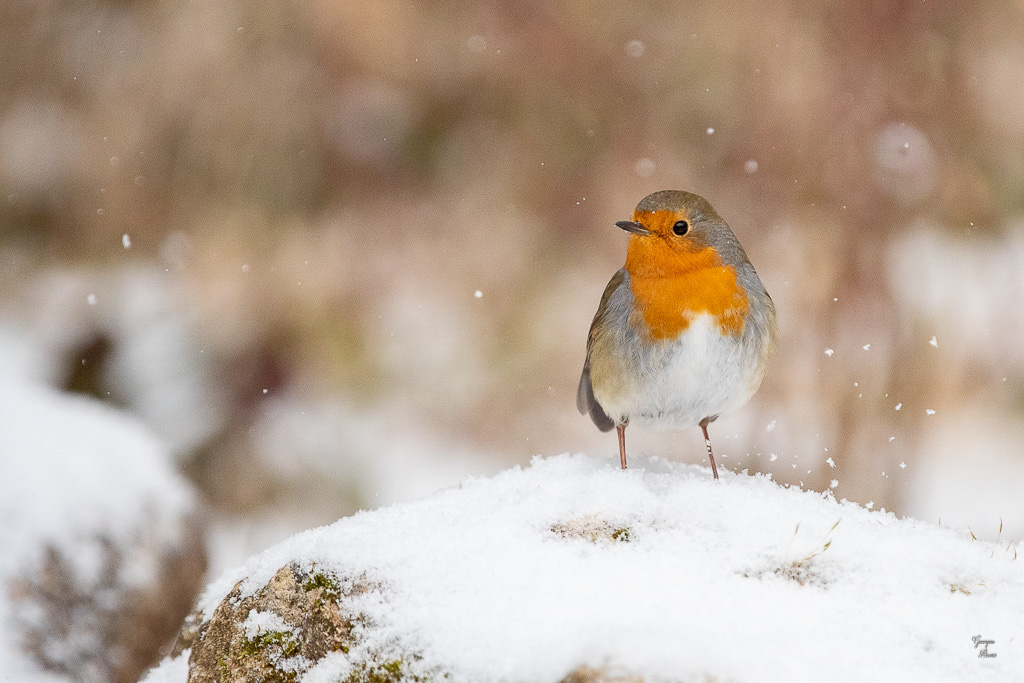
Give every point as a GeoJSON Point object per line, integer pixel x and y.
{"type": "Point", "coordinates": [621, 429]}
{"type": "Point", "coordinates": [707, 442]}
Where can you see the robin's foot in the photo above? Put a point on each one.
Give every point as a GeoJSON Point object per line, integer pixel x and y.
{"type": "Point", "coordinates": [621, 429]}
{"type": "Point", "coordinates": [707, 442]}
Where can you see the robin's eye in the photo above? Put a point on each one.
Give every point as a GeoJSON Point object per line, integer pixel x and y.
{"type": "Point", "coordinates": [681, 227]}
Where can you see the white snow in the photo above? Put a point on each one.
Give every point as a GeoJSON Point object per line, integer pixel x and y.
{"type": "Point", "coordinates": [75, 475]}
{"type": "Point", "coordinates": [21, 357]}
{"type": "Point", "coordinates": [257, 623]}
{"type": "Point", "coordinates": [73, 466]}
{"type": "Point", "coordinates": [156, 366]}
{"type": "Point", "coordinates": [170, 670]}
{"type": "Point", "coordinates": [739, 579]}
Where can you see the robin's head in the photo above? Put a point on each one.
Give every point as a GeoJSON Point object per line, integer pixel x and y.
{"type": "Point", "coordinates": [676, 226]}
{"type": "Point", "coordinates": [672, 214]}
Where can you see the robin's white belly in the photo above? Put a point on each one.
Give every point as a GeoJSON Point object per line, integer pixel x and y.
{"type": "Point", "coordinates": [676, 384]}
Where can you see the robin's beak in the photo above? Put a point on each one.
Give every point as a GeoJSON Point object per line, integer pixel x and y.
{"type": "Point", "coordinates": [630, 226]}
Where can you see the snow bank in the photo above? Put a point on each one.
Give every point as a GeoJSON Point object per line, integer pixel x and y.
{"type": "Point", "coordinates": [92, 516]}
{"type": "Point", "coordinates": [157, 366]}
{"type": "Point", "coordinates": [658, 571]}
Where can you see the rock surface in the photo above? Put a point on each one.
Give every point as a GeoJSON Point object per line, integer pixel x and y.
{"type": "Point", "coordinates": [108, 628]}
{"type": "Point", "coordinates": [276, 633]}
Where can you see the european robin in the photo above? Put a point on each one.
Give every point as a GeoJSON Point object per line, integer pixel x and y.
{"type": "Point", "coordinates": [684, 330]}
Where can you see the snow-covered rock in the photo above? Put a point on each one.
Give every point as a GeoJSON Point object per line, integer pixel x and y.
{"type": "Point", "coordinates": [101, 554]}
{"type": "Point", "coordinates": [574, 570]}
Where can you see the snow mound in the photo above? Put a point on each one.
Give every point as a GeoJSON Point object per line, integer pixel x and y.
{"type": "Point", "coordinates": [572, 565]}
{"type": "Point", "coordinates": [98, 539]}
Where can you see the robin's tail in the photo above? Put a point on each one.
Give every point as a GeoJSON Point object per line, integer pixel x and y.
{"type": "Point", "coordinates": [586, 402]}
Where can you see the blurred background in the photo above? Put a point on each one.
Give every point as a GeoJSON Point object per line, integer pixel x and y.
{"type": "Point", "coordinates": [339, 254]}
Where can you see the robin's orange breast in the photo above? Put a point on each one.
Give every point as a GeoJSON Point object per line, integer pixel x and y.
{"type": "Point", "coordinates": [672, 287]}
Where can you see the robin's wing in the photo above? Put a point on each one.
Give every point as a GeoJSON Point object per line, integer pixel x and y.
{"type": "Point", "coordinates": [585, 400]}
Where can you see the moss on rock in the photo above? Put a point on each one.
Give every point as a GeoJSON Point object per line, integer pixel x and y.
{"type": "Point", "coordinates": [311, 604]}
{"type": "Point", "coordinates": [593, 529]}
{"type": "Point", "coordinates": [285, 628]}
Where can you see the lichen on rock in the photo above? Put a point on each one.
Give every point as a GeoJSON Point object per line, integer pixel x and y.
{"type": "Point", "coordinates": [283, 629]}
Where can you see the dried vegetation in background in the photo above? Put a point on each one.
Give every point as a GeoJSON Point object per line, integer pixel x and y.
{"type": "Point", "coordinates": [262, 226]}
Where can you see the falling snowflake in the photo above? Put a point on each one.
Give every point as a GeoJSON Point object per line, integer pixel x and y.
{"type": "Point", "coordinates": [635, 48]}
{"type": "Point", "coordinates": [644, 167]}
